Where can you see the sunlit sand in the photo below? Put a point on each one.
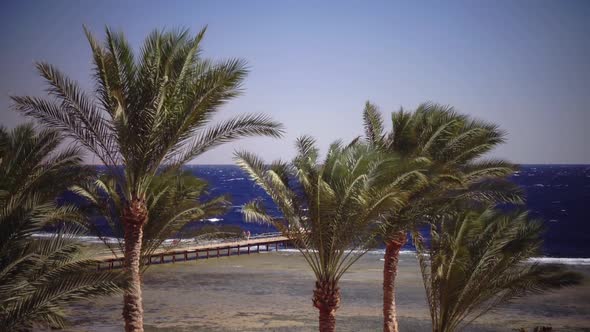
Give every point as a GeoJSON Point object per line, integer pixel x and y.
{"type": "Point", "coordinates": [272, 292]}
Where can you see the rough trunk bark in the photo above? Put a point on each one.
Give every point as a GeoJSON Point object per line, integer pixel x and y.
{"type": "Point", "coordinates": [392, 249]}
{"type": "Point", "coordinates": [326, 297]}
{"type": "Point", "coordinates": [134, 218]}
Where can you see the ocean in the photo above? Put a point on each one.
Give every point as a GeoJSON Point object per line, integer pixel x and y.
{"type": "Point", "coordinates": [556, 194]}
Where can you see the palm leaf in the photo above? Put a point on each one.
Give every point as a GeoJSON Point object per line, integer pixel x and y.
{"type": "Point", "coordinates": [477, 260]}
{"type": "Point", "coordinates": [40, 276]}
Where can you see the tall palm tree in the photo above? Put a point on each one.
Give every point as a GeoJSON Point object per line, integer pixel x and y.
{"type": "Point", "coordinates": [476, 260]}
{"type": "Point", "coordinates": [453, 144]}
{"type": "Point", "coordinates": [150, 114]}
{"type": "Point", "coordinates": [328, 207]}
{"type": "Point", "coordinates": [39, 276]}
{"type": "Point", "coordinates": [174, 199]}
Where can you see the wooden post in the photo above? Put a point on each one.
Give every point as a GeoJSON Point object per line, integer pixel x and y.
{"type": "Point", "coordinates": [186, 255]}
{"type": "Point", "coordinates": [258, 248]}
{"type": "Point", "coordinates": [162, 258]}
{"type": "Point", "coordinates": [248, 249]}
{"type": "Point", "coordinates": [111, 264]}
{"type": "Point", "coordinates": [217, 252]}
{"type": "Point", "coordinates": [238, 250]}
{"type": "Point", "coordinates": [207, 252]}
{"type": "Point", "coordinates": [276, 246]}
{"type": "Point", "coordinates": [174, 258]}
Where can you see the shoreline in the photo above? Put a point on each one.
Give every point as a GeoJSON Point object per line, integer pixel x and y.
{"type": "Point", "coordinates": [272, 292]}
{"type": "Point", "coordinates": [94, 240]}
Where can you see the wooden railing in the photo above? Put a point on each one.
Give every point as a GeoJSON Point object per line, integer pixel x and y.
{"type": "Point", "coordinates": [205, 251]}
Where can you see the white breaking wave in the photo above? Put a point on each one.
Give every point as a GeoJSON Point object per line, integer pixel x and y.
{"type": "Point", "coordinates": [560, 260]}
{"type": "Point", "coordinates": [82, 238]}
{"type": "Point", "coordinates": [540, 260]}
{"type": "Point", "coordinates": [212, 219]}
{"type": "Point", "coordinates": [380, 252]}
{"type": "Point", "coordinates": [96, 239]}
{"type": "Point", "coordinates": [234, 179]}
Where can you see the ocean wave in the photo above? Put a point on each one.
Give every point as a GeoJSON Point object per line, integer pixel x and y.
{"type": "Point", "coordinates": [234, 179]}
{"type": "Point", "coordinates": [382, 252]}
{"type": "Point", "coordinates": [96, 239]}
{"type": "Point", "coordinates": [376, 252]}
{"type": "Point", "coordinates": [379, 252]}
{"type": "Point", "coordinates": [212, 219]}
{"type": "Point", "coordinates": [540, 260]}
{"type": "Point", "coordinates": [560, 260]}
{"type": "Point", "coordinates": [81, 238]}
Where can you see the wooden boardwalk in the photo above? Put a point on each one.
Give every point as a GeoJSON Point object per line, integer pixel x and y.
{"type": "Point", "coordinates": [203, 251]}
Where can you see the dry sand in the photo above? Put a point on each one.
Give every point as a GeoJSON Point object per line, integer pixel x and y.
{"type": "Point", "coordinates": [272, 292]}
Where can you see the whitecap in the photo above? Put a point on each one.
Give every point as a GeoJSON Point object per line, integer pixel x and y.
{"type": "Point", "coordinates": [234, 179]}
{"type": "Point", "coordinates": [560, 260]}
{"type": "Point", "coordinates": [81, 238]}
{"type": "Point", "coordinates": [212, 219]}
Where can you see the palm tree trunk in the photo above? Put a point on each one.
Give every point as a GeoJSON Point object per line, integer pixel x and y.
{"type": "Point", "coordinates": [326, 297]}
{"type": "Point", "coordinates": [392, 249]}
{"type": "Point", "coordinates": [134, 218]}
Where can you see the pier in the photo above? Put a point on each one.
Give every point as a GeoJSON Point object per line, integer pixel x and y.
{"type": "Point", "coordinates": [256, 244]}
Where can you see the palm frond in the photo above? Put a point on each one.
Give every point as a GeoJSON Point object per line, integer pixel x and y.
{"type": "Point", "coordinates": [449, 145]}
{"type": "Point", "coordinates": [153, 108]}
{"type": "Point", "coordinates": [478, 259]}
{"type": "Point", "coordinates": [40, 276]}
{"type": "Point", "coordinates": [239, 127]}
{"type": "Point", "coordinates": [327, 208]}
{"type": "Point", "coordinates": [373, 124]}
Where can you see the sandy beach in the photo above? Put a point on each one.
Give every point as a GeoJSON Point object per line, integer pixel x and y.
{"type": "Point", "coordinates": [272, 292]}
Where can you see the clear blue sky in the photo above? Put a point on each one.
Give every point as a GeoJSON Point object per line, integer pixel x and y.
{"type": "Point", "coordinates": [522, 64]}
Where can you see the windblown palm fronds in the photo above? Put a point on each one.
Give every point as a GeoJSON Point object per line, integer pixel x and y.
{"type": "Point", "coordinates": [329, 208]}
{"type": "Point", "coordinates": [174, 199]}
{"type": "Point", "coordinates": [477, 260]}
{"type": "Point", "coordinates": [150, 111]}
{"type": "Point", "coordinates": [39, 276]}
{"type": "Point", "coordinates": [453, 144]}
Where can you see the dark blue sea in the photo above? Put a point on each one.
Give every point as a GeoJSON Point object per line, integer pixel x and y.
{"type": "Point", "coordinates": [557, 194]}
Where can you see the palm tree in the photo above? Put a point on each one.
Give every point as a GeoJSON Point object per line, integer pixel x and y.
{"type": "Point", "coordinates": [39, 276]}
{"type": "Point", "coordinates": [453, 144]}
{"type": "Point", "coordinates": [328, 208]}
{"type": "Point", "coordinates": [149, 115]}
{"type": "Point", "coordinates": [173, 199]}
{"type": "Point", "coordinates": [476, 260]}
